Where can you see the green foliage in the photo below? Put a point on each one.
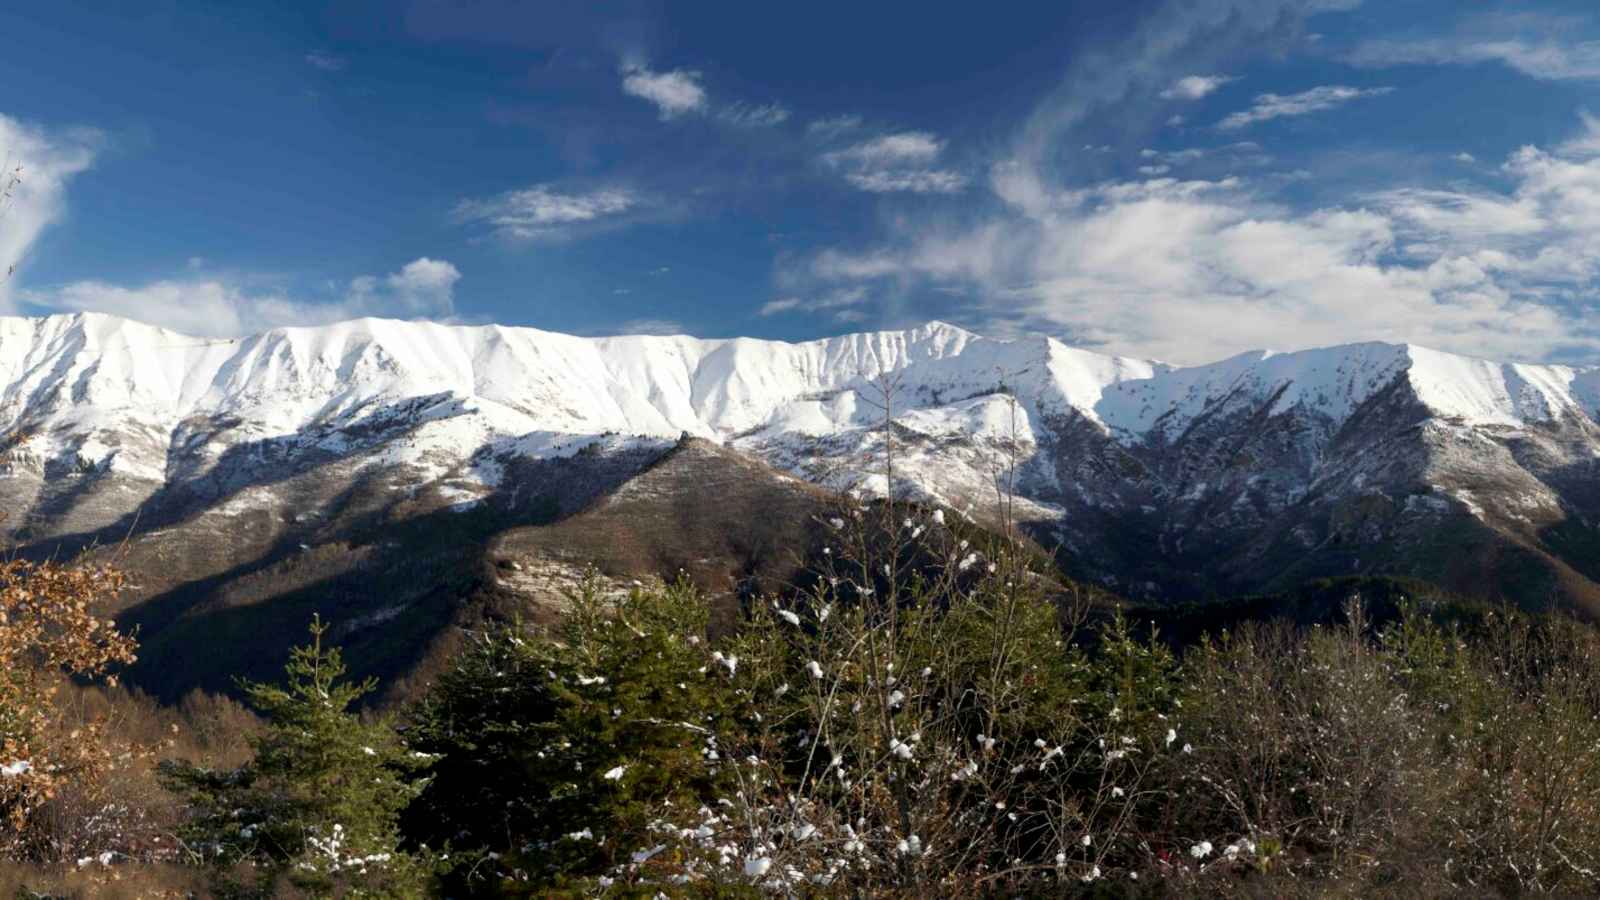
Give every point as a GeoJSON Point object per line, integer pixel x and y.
{"type": "Point", "coordinates": [554, 747]}
{"type": "Point", "coordinates": [319, 803]}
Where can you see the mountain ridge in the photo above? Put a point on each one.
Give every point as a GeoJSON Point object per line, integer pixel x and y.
{"type": "Point", "coordinates": [717, 387]}
{"type": "Point", "coordinates": [1152, 478]}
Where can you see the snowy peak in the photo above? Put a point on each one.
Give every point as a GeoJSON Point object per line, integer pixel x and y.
{"type": "Point", "coordinates": [1331, 383]}
{"type": "Point", "coordinates": [80, 382]}
{"type": "Point", "coordinates": [1481, 392]}
{"type": "Point", "coordinates": [1268, 459]}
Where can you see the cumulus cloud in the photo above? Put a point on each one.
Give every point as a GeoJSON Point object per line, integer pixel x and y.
{"type": "Point", "coordinates": [1317, 99]}
{"type": "Point", "coordinates": [43, 162]}
{"type": "Point", "coordinates": [545, 211]}
{"type": "Point", "coordinates": [1194, 87]}
{"type": "Point", "coordinates": [1191, 270]}
{"type": "Point", "coordinates": [422, 289]}
{"type": "Point", "coordinates": [900, 162]}
{"type": "Point", "coordinates": [674, 93]}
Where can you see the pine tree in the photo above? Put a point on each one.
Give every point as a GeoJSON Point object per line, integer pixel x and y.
{"type": "Point", "coordinates": [318, 804]}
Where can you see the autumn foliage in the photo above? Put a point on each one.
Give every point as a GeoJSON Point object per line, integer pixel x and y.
{"type": "Point", "coordinates": [48, 628]}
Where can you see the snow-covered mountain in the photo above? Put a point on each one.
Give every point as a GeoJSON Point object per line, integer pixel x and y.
{"type": "Point", "coordinates": [1239, 475]}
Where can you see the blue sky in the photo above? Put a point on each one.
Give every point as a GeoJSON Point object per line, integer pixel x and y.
{"type": "Point", "coordinates": [1182, 179]}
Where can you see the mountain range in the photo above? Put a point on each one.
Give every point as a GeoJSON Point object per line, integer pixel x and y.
{"type": "Point", "coordinates": [385, 473]}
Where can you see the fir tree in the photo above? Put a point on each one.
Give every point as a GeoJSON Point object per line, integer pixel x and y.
{"type": "Point", "coordinates": [319, 803]}
{"type": "Point", "coordinates": [554, 750]}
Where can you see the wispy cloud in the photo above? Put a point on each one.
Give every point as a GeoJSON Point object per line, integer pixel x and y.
{"type": "Point", "coordinates": [674, 93]}
{"type": "Point", "coordinates": [1235, 155]}
{"type": "Point", "coordinates": [327, 62]}
{"type": "Point", "coordinates": [900, 162]}
{"type": "Point", "coordinates": [1317, 99]}
{"type": "Point", "coordinates": [213, 307]}
{"type": "Point", "coordinates": [843, 303]}
{"type": "Point", "coordinates": [1194, 87]}
{"type": "Point", "coordinates": [1587, 143]}
{"type": "Point", "coordinates": [833, 126]}
{"type": "Point", "coordinates": [45, 161]}
{"type": "Point", "coordinates": [915, 181]}
{"type": "Point", "coordinates": [1549, 59]}
{"type": "Point", "coordinates": [755, 115]}
{"type": "Point", "coordinates": [545, 211]}
{"type": "Point", "coordinates": [891, 149]}
{"type": "Point", "coordinates": [652, 326]}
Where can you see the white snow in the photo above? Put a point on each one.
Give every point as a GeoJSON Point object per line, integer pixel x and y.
{"type": "Point", "coordinates": [454, 402]}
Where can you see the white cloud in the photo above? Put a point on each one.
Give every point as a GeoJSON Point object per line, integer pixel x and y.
{"type": "Point", "coordinates": [1116, 74]}
{"type": "Point", "coordinates": [327, 62]}
{"type": "Point", "coordinates": [890, 149]}
{"type": "Point", "coordinates": [1274, 106]}
{"type": "Point", "coordinates": [674, 93]}
{"type": "Point", "coordinates": [755, 116]}
{"type": "Point", "coordinates": [544, 211]}
{"type": "Point", "coordinates": [1465, 158]}
{"type": "Point", "coordinates": [1196, 270]}
{"type": "Point", "coordinates": [900, 162]}
{"type": "Point", "coordinates": [916, 181]}
{"type": "Point", "coordinates": [781, 305]}
{"type": "Point", "coordinates": [842, 302]}
{"type": "Point", "coordinates": [833, 126]}
{"type": "Point", "coordinates": [1235, 155]}
{"type": "Point", "coordinates": [835, 265]}
{"type": "Point", "coordinates": [1546, 59]}
{"type": "Point", "coordinates": [423, 288]}
{"type": "Point", "coordinates": [1587, 143]}
{"type": "Point", "coordinates": [44, 161]}
{"type": "Point", "coordinates": [1194, 87]}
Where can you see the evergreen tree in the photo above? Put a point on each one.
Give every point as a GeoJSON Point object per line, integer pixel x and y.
{"type": "Point", "coordinates": [554, 749]}
{"type": "Point", "coordinates": [319, 803]}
